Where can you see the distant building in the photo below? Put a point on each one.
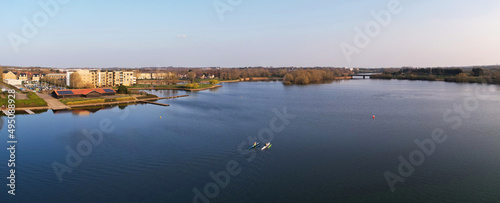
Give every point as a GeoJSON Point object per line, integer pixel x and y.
{"type": "Point", "coordinates": [23, 76]}
{"type": "Point", "coordinates": [13, 82]}
{"type": "Point", "coordinates": [87, 93]}
{"type": "Point", "coordinates": [59, 78]}
{"type": "Point", "coordinates": [9, 75]}
{"type": "Point", "coordinates": [143, 76]}
{"type": "Point", "coordinates": [102, 78]}
{"type": "Point", "coordinates": [36, 77]}
{"type": "Point", "coordinates": [127, 78]}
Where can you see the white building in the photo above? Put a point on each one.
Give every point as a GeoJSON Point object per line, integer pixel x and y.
{"type": "Point", "coordinates": [13, 82]}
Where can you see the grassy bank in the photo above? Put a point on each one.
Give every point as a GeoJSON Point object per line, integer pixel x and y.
{"type": "Point", "coordinates": [32, 101]}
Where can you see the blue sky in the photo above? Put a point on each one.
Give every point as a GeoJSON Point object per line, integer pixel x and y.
{"type": "Point", "coordinates": [190, 33]}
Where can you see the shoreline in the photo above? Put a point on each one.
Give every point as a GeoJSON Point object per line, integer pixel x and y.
{"type": "Point", "coordinates": [99, 104]}
{"type": "Point", "coordinates": [171, 88]}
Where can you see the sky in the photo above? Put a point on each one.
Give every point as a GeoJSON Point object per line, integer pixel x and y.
{"type": "Point", "coordinates": [241, 33]}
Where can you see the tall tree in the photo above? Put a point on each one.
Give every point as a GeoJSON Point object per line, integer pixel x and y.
{"type": "Point", "coordinates": [75, 80]}
{"type": "Point", "coordinates": [191, 76]}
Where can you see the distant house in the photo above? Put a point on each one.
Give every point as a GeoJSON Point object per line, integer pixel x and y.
{"type": "Point", "coordinates": [87, 93]}
{"type": "Point", "coordinates": [23, 76]}
{"type": "Point", "coordinates": [9, 75]}
{"type": "Point", "coordinates": [36, 77]}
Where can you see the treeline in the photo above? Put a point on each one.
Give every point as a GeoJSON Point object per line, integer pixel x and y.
{"type": "Point", "coordinates": [231, 73]}
{"type": "Point", "coordinates": [307, 76]}
{"type": "Point", "coordinates": [490, 77]}
{"type": "Point", "coordinates": [474, 75]}
{"type": "Point", "coordinates": [404, 77]}
{"type": "Point", "coordinates": [432, 71]}
{"type": "Point", "coordinates": [256, 72]}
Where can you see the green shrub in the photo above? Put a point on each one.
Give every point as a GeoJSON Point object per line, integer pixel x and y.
{"type": "Point", "coordinates": [214, 82]}
{"type": "Point", "coordinates": [122, 90]}
{"type": "Point", "coordinates": [192, 85]}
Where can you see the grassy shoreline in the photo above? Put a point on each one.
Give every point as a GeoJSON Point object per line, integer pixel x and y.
{"type": "Point", "coordinates": [32, 101]}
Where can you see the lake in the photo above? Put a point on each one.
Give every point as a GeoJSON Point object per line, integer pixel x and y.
{"type": "Point", "coordinates": [326, 147]}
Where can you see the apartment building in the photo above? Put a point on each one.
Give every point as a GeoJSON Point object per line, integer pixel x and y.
{"type": "Point", "coordinates": [103, 78]}
{"type": "Point", "coordinates": [127, 78]}
{"type": "Point", "coordinates": [56, 78]}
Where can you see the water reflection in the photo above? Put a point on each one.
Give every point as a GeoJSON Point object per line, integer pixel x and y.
{"type": "Point", "coordinates": [84, 111]}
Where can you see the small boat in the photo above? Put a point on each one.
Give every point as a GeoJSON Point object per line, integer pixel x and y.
{"type": "Point", "coordinates": [255, 145]}
{"type": "Point", "coordinates": [268, 145]}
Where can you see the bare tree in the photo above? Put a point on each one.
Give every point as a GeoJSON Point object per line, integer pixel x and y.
{"type": "Point", "coordinates": [191, 76]}
{"type": "Point", "coordinates": [75, 81]}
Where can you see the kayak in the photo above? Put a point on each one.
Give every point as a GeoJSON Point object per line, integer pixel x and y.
{"type": "Point", "coordinates": [267, 146]}
{"type": "Point", "coordinates": [255, 146]}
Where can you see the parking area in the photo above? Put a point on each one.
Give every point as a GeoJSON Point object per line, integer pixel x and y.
{"type": "Point", "coordinates": [40, 87]}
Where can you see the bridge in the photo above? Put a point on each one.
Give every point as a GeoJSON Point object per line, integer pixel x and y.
{"type": "Point", "coordinates": [361, 75]}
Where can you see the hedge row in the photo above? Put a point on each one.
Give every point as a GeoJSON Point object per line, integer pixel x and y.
{"type": "Point", "coordinates": [125, 98]}
{"type": "Point", "coordinates": [86, 102]}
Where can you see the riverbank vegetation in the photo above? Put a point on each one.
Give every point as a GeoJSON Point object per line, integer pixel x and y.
{"type": "Point", "coordinates": [87, 101]}
{"type": "Point", "coordinates": [228, 74]}
{"type": "Point", "coordinates": [472, 75]}
{"type": "Point", "coordinates": [307, 76]}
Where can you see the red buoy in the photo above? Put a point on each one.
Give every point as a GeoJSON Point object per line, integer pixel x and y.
{"type": "Point", "coordinates": [373, 116]}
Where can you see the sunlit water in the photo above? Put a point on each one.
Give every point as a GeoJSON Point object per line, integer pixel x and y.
{"type": "Point", "coordinates": [333, 150]}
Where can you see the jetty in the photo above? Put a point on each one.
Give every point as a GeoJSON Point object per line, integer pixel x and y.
{"type": "Point", "coordinates": [149, 101]}
{"type": "Point", "coordinates": [172, 97]}
{"type": "Point", "coordinates": [155, 103]}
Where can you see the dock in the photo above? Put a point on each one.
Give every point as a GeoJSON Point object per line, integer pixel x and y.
{"type": "Point", "coordinates": [156, 103]}
{"type": "Point", "coordinates": [172, 97]}
{"type": "Point", "coordinates": [29, 111]}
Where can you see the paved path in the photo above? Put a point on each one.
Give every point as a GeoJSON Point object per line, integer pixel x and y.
{"type": "Point", "coordinates": [53, 102]}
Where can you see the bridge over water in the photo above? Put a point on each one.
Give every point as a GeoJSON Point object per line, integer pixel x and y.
{"type": "Point", "coordinates": [361, 75]}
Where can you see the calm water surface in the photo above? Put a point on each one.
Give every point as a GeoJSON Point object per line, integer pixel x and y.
{"type": "Point", "coordinates": [331, 151]}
